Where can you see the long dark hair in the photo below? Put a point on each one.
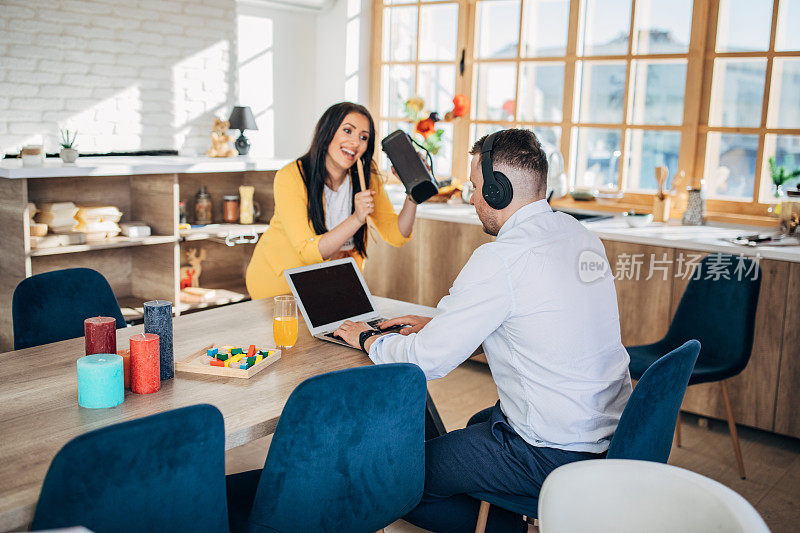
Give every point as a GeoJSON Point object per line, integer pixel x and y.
{"type": "Point", "coordinates": [314, 171]}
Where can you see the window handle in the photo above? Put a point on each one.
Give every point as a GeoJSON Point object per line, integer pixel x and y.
{"type": "Point", "coordinates": [461, 63]}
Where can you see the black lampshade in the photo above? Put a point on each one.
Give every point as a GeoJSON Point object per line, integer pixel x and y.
{"type": "Point", "coordinates": [242, 119]}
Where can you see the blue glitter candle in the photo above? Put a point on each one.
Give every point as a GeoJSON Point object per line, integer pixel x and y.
{"type": "Point", "coordinates": [101, 381]}
{"type": "Point", "coordinates": [158, 320]}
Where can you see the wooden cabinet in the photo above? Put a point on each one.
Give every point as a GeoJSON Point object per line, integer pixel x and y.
{"type": "Point", "coordinates": [137, 269]}
{"type": "Point", "coordinates": [425, 268]}
{"type": "Point", "coordinates": [752, 392]}
{"type": "Point", "coordinates": [787, 418]}
{"type": "Point", "coordinates": [647, 307]}
{"type": "Point", "coordinates": [644, 287]}
{"type": "Point", "coordinates": [650, 281]}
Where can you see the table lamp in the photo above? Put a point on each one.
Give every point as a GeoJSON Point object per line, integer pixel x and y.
{"type": "Point", "coordinates": [242, 119]}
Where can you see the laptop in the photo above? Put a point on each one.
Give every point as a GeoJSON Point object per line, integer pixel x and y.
{"type": "Point", "coordinates": [331, 292]}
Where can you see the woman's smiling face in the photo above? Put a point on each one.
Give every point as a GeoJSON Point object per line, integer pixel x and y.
{"type": "Point", "coordinates": [350, 141]}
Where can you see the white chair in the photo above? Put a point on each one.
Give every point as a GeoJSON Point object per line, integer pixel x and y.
{"type": "Point", "coordinates": [625, 496]}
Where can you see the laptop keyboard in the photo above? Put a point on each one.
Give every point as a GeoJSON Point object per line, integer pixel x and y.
{"type": "Point", "coordinates": [372, 324]}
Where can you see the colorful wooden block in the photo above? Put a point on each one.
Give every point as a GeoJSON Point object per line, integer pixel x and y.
{"type": "Point", "coordinates": [216, 362]}
{"type": "Point", "coordinates": [259, 357]}
{"type": "Point", "coordinates": [212, 352]}
{"type": "Point", "coordinates": [236, 358]}
{"type": "Point", "coordinates": [251, 351]}
{"type": "Point", "coordinates": [236, 351]}
{"type": "Point", "coordinates": [222, 356]}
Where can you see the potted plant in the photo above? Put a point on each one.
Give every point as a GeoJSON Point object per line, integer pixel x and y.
{"type": "Point", "coordinates": [68, 152]}
{"type": "Point", "coordinates": [780, 175]}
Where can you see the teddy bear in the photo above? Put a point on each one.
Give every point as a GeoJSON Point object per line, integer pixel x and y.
{"type": "Point", "coordinates": [220, 140]}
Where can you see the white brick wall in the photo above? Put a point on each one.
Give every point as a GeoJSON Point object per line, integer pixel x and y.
{"type": "Point", "coordinates": [139, 74]}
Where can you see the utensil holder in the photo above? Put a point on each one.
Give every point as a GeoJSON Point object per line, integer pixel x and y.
{"type": "Point", "coordinates": [661, 208]}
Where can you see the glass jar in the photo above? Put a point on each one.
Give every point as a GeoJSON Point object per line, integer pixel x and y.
{"type": "Point", "coordinates": [230, 208]}
{"type": "Point", "coordinates": [202, 207]}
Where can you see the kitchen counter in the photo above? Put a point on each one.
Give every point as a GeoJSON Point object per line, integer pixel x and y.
{"type": "Point", "coordinates": [136, 165]}
{"type": "Point", "coordinates": [708, 238]}
{"type": "Point", "coordinates": [651, 271]}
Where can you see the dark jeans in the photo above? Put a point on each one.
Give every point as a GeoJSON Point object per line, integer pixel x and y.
{"type": "Point", "coordinates": [486, 456]}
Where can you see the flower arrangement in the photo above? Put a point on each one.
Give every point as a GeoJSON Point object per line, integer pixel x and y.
{"type": "Point", "coordinates": [425, 121]}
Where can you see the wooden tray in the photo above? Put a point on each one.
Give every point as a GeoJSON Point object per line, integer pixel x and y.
{"type": "Point", "coordinates": [192, 364]}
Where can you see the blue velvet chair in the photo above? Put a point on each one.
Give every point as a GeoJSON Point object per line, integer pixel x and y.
{"type": "Point", "coordinates": [718, 308]}
{"type": "Point", "coordinates": [645, 427]}
{"type": "Point", "coordinates": [52, 306]}
{"type": "Point", "coordinates": [164, 472]}
{"type": "Point", "coordinates": [348, 455]}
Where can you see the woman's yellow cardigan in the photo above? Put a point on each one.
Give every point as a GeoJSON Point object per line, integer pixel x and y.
{"type": "Point", "coordinates": [290, 241]}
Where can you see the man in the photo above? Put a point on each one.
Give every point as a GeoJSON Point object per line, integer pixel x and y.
{"type": "Point", "coordinates": [552, 342]}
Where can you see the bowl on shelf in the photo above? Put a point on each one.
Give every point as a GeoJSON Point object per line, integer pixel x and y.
{"type": "Point", "coordinates": [609, 197]}
{"type": "Point", "coordinates": [637, 220]}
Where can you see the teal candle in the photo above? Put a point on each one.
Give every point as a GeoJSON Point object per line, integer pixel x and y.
{"type": "Point", "coordinates": [101, 381]}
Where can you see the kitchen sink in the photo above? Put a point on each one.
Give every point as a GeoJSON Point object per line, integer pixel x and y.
{"type": "Point", "coordinates": [585, 217]}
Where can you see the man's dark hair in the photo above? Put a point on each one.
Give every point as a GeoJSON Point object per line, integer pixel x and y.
{"type": "Point", "coordinates": [520, 150]}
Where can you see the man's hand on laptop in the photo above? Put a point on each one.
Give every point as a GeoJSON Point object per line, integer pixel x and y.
{"type": "Point", "coordinates": [411, 323]}
{"type": "Point", "coordinates": [349, 332]}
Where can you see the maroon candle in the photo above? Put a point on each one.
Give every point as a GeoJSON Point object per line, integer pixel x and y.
{"type": "Point", "coordinates": [145, 367]}
{"type": "Point", "coordinates": [101, 335]}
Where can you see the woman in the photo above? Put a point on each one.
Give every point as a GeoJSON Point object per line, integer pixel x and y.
{"type": "Point", "coordinates": [320, 210]}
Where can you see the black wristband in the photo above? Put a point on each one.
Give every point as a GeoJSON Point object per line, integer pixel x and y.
{"type": "Point", "coordinates": [364, 335]}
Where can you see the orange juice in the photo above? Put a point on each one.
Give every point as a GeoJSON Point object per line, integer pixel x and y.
{"type": "Point", "coordinates": [284, 330]}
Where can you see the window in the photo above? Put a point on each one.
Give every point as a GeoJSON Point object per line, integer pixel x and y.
{"type": "Point", "coordinates": [710, 87]}
{"type": "Point", "coordinates": [519, 68]}
{"type": "Point", "coordinates": [420, 56]}
{"type": "Point", "coordinates": [754, 108]}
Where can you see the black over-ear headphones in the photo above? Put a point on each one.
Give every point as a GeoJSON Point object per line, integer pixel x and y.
{"type": "Point", "coordinates": [497, 190]}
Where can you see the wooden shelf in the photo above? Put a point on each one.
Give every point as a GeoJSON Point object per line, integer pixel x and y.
{"type": "Point", "coordinates": [114, 242]}
{"type": "Point", "coordinates": [137, 269]}
{"type": "Point", "coordinates": [132, 307]}
{"type": "Point", "coordinates": [222, 232]}
{"type": "Point", "coordinates": [227, 293]}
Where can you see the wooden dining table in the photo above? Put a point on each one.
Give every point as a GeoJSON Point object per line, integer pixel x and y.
{"type": "Point", "coordinates": [39, 411]}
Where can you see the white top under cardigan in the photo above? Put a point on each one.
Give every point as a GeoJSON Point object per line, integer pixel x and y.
{"type": "Point", "coordinates": [339, 206]}
{"type": "Point", "coordinates": [552, 341]}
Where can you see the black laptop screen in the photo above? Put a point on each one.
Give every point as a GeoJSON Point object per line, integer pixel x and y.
{"type": "Point", "coordinates": [331, 293]}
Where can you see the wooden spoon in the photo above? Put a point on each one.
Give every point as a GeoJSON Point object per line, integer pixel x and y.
{"type": "Point", "coordinates": [661, 179]}
{"type": "Point", "coordinates": [360, 168]}
{"type": "Point", "coordinates": [678, 180]}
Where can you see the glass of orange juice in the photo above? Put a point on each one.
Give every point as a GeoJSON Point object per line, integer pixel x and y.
{"type": "Point", "coordinates": [284, 321]}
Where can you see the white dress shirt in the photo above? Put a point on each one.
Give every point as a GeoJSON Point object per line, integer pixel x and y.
{"type": "Point", "coordinates": [552, 340]}
{"type": "Point", "coordinates": [339, 206]}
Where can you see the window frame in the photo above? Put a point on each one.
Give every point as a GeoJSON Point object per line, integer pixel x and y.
{"type": "Point", "coordinates": [694, 128]}
{"type": "Point", "coordinates": [461, 87]}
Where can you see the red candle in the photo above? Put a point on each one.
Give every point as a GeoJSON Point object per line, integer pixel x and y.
{"type": "Point", "coordinates": [101, 335]}
{"type": "Point", "coordinates": [126, 366]}
{"type": "Point", "coordinates": [145, 363]}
